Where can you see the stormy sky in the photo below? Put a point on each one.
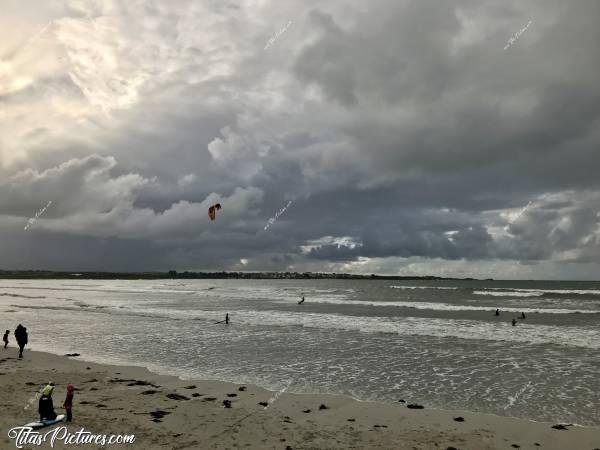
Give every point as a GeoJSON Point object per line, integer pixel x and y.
{"type": "Point", "coordinates": [412, 137]}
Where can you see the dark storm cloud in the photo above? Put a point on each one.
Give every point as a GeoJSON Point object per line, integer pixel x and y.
{"type": "Point", "coordinates": [404, 128]}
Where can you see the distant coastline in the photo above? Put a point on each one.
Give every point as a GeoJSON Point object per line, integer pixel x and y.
{"type": "Point", "coordinates": [47, 274]}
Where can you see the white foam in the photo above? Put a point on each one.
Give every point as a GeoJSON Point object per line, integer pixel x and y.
{"type": "Point", "coordinates": [426, 287]}
{"type": "Point", "coordinates": [550, 291]}
{"type": "Point", "coordinates": [588, 337]}
{"type": "Point", "coordinates": [510, 293]}
{"type": "Point", "coordinates": [435, 306]}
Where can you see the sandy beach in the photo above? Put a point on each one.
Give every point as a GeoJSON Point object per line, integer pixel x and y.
{"type": "Point", "coordinates": [165, 412]}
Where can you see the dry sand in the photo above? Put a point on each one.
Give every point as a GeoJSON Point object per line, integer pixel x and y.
{"type": "Point", "coordinates": [116, 400]}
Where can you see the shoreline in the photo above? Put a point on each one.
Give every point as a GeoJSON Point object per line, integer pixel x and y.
{"type": "Point", "coordinates": [166, 411]}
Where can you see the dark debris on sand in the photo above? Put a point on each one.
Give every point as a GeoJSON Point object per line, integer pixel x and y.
{"type": "Point", "coordinates": [242, 388]}
{"type": "Point", "coordinates": [227, 403]}
{"type": "Point", "coordinates": [158, 414]}
{"type": "Point", "coordinates": [231, 395]}
{"type": "Point", "coordinates": [149, 392]}
{"type": "Point", "coordinates": [72, 354]}
{"type": "Point", "coordinates": [451, 448]}
{"type": "Point", "coordinates": [560, 426]}
{"type": "Point", "coordinates": [306, 411]}
{"type": "Point", "coordinates": [130, 380]}
{"type": "Point", "coordinates": [515, 446]}
{"type": "Point", "coordinates": [459, 419]}
{"type": "Point", "coordinates": [323, 407]}
{"type": "Point", "coordinates": [209, 399]}
{"type": "Point", "coordinates": [265, 404]}
{"type": "Point", "coordinates": [177, 397]}
{"type": "Point", "coordinates": [191, 386]}
{"type": "Point", "coordinates": [142, 383]}
{"type": "Point", "coordinates": [415, 406]}
{"type": "Point", "coordinates": [195, 394]}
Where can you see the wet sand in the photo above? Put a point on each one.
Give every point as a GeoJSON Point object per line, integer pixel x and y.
{"type": "Point", "coordinates": [166, 412]}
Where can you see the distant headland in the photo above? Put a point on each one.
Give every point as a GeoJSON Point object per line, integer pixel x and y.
{"type": "Point", "coordinates": [172, 274]}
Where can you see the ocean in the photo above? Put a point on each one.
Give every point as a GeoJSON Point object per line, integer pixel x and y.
{"type": "Point", "coordinates": [436, 343]}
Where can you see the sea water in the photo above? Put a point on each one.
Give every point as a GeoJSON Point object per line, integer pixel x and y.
{"type": "Point", "coordinates": [437, 343]}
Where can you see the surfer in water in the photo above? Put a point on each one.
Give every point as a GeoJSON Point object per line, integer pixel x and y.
{"type": "Point", "coordinates": [5, 338]}
{"type": "Point", "coordinates": [301, 301]}
{"type": "Point", "coordinates": [45, 406]}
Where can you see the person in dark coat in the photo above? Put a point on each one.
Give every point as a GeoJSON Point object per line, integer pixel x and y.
{"type": "Point", "coordinates": [21, 337]}
{"type": "Point", "coordinates": [5, 338]}
{"type": "Point", "coordinates": [45, 405]}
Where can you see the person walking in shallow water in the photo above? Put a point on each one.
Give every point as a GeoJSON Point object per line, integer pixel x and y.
{"type": "Point", "coordinates": [514, 322]}
{"type": "Point", "coordinates": [497, 312]}
{"type": "Point", "coordinates": [226, 320]}
{"type": "Point", "coordinates": [522, 315]}
{"type": "Point", "coordinates": [21, 337]}
{"type": "Point", "coordinates": [5, 338]}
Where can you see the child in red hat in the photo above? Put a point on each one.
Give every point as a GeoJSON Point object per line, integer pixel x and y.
{"type": "Point", "coordinates": [68, 404]}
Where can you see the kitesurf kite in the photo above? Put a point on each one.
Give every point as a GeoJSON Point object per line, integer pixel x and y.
{"type": "Point", "coordinates": [212, 211]}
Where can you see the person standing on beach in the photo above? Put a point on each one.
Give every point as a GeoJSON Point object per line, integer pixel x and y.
{"type": "Point", "coordinates": [5, 338]}
{"type": "Point", "coordinates": [45, 405]}
{"type": "Point", "coordinates": [68, 404]}
{"type": "Point", "coordinates": [227, 319]}
{"type": "Point", "coordinates": [21, 337]}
